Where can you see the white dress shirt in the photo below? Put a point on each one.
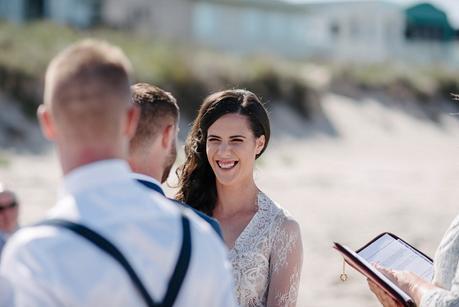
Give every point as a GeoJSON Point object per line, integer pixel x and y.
{"type": "Point", "coordinates": [6, 293]}
{"type": "Point", "coordinates": [54, 267]}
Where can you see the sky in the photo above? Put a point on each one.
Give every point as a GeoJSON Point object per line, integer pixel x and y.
{"type": "Point", "coordinates": [451, 7]}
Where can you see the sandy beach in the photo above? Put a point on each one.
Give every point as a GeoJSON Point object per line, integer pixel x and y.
{"type": "Point", "coordinates": [385, 170]}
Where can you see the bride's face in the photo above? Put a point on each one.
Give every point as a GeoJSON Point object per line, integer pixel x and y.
{"type": "Point", "coordinates": [231, 148]}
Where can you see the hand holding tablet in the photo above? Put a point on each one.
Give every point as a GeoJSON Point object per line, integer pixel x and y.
{"type": "Point", "coordinates": [390, 252]}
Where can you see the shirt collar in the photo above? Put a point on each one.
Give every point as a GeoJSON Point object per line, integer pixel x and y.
{"type": "Point", "coordinates": [94, 174]}
{"type": "Point", "coordinates": [149, 182]}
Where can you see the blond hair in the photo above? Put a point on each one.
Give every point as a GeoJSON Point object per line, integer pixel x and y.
{"type": "Point", "coordinates": [87, 89]}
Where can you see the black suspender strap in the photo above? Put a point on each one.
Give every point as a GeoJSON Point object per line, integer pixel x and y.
{"type": "Point", "coordinates": [176, 279]}
{"type": "Point", "coordinates": [107, 247]}
{"type": "Point", "coordinates": [182, 266]}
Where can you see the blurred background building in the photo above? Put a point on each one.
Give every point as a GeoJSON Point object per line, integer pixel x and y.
{"type": "Point", "coordinates": [365, 30]}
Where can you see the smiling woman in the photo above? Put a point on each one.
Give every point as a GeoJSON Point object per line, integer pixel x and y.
{"type": "Point", "coordinates": [231, 148]}
{"type": "Point", "coordinates": [230, 132]}
{"type": "Point", "coordinates": [197, 180]}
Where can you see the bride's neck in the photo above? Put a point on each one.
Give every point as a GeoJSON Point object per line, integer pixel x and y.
{"type": "Point", "coordinates": [232, 199]}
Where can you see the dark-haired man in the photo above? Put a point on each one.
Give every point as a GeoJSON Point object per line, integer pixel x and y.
{"type": "Point", "coordinates": [152, 150]}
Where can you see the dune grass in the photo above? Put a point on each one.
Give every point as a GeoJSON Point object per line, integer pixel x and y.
{"type": "Point", "coordinates": [190, 72]}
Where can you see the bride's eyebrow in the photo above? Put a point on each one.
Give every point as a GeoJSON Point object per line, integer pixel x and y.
{"type": "Point", "coordinates": [213, 136]}
{"type": "Point", "coordinates": [231, 137]}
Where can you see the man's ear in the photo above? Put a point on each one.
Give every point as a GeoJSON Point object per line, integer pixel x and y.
{"type": "Point", "coordinates": [168, 136]}
{"type": "Point", "coordinates": [46, 122]}
{"type": "Point", "coordinates": [133, 116]}
{"type": "Point", "coordinates": [259, 144]}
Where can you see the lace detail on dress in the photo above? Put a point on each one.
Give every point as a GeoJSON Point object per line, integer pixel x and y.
{"type": "Point", "coordinates": [286, 241]}
{"type": "Point", "coordinates": [267, 258]}
{"type": "Point", "coordinates": [289, 298]}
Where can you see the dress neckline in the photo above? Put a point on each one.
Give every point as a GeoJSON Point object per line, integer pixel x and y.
{"type": "Point", "coordinates": [246, 231]}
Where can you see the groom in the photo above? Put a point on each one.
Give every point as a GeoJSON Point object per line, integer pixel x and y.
{"type": "Point", "coordinates": [152, 150]}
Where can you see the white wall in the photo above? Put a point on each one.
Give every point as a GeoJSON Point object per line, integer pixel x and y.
{"type": "Point", "coordinates": [80, 13]}
{"type": "Point", "coordinates": [165, 18]}
{"type": "Point", "coordinates": [245, 29]}
{"type": "Point", "coordinates": [368, 31]}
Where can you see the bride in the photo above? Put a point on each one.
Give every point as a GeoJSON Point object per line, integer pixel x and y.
{"type": "Point", "coordinates": [230, 132]}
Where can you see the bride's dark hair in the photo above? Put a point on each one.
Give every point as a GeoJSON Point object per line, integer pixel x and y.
{"type": "Point", "coordinates": [196, 178]}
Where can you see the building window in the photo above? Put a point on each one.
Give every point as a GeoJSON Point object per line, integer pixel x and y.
{"type": "Point", "coordinates": [34, 9]}
{"type": "Point", "coordinates": [334, 29]}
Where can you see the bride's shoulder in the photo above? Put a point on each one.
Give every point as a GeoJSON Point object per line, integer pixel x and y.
{"type": "Point", "coordinates": [281, 215]}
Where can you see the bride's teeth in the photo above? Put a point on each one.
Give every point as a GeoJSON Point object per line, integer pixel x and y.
{"type": "Point", "coordinates": [226, 164]}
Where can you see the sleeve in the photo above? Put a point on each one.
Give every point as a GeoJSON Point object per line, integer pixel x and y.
{"type": "Point", "coordinates": [439, 297]}
{"type": "Point", "coordinates": [24, 269]}
{"type": "Point", "coordinates": [285, 265]}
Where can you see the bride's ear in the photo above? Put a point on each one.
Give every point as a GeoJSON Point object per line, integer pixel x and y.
{"type": "Point", "coordinates": [260, 144]}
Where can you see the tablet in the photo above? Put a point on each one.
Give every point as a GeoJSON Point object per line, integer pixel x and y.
{"type": "Point", "coordinates": [392, 252]}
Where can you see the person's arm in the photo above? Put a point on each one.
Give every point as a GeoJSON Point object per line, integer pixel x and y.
{"type": "Point", "coordinates": [424, 294]}
{"type": "Point", "coordinates": [285, 266]}
{"type": "Point", "coordinates": [429, 295]}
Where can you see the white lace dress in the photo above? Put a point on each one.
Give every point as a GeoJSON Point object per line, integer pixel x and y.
{"type": "Point", "coordinates": [267, 258]}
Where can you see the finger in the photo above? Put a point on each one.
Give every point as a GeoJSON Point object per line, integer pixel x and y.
{"type": "Point", "coordinates": [387, 300]}
{"type": "Point", "coordinates": [371, 284]}
{"type": "Point", "coordinates": [376, 289]}
{"type": "Point", "coordinates": [383, 269]}
{"type": "Point", "coordinates": [391, 274]}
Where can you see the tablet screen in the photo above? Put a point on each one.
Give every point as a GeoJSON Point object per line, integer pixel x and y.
{"type": "Point", "coordinates": [395, 254]}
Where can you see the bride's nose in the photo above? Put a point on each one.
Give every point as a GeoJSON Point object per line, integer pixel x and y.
{"type": "Point", "coordinates": [223, 149]}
